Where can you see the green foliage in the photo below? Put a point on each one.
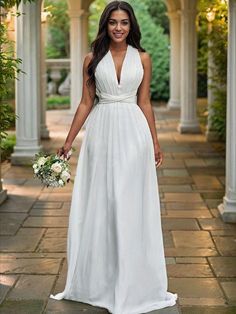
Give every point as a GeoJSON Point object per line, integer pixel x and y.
{"type": "Point", "coordinates": [157, 44]}
{"type": "Point", "coordinates": [7, 118]}
{"type": "Point", "coordinates": [58, 102]}
{"type": "Point", "coordinates": [7, 4]}
{"type": "Point", "coordinates": [219, 117]}
{"type": "Point", "coordinates": [7, 146]}
{"type": "Point", "coordinates": [9, 67]}
{"type": "Point", "coordinates": [157, 11]}
{"type": "Point", "coordinates": [58, 29]}
{"type": "Point", "coordinates": [96, 9]}
{"type": "Point", "coordinates": [217, 35]}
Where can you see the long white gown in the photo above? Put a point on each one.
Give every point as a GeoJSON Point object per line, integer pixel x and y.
{"type": "Point", "coordinates": [115, 245]}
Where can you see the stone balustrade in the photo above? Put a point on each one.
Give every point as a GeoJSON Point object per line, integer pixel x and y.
{"type": "Point", "coordinates": [54, 70]}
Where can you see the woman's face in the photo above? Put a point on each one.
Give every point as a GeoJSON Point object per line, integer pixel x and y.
{"type": "Point", "coordinates": [118, 26]}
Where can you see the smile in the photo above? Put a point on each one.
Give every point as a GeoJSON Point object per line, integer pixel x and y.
{"type": "Point", "coordinates": [118, 34]}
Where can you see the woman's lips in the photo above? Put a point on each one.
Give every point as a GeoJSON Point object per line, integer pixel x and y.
{"type": "Point", "coordinates": [118, 35]}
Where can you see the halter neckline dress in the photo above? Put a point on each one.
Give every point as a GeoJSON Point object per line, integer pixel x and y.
{"type": "Point", "coordinates": [115, 247]}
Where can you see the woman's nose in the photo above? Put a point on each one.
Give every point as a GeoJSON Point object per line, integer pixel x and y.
{"type": "Point", "coordinates": [118, 26]}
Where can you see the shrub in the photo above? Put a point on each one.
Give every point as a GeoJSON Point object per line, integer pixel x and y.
{"type": "Point", "coordinates": [8, 144]}
{"type": "Point", "coordinates": [58, 102]}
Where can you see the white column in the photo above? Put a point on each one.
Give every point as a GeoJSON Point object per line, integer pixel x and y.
{"type": "Point", "coordinates": [28, 83]}
{"type": "Point", "coordinates": [85, 47]}
{"type": "Point", "coordinates": [76, 57]}
{"type": "Point", "coordinates": [174, 101]}
{"type": "Point", "coordinates": [228, 208]}
{"type": "Point", "coordinates": [44, 132]}
{"type": "Point", "coordinates": [188, 120]}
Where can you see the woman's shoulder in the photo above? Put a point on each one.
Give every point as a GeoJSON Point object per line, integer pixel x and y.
{"type": "Point", "coordinates": [88, 57]}
{"type": "Point", "coordinates": [145, 56]}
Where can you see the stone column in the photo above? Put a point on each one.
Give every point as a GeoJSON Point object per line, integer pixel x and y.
{"type": "Point", "coordinates": [76, 57]}
{"type": "Point", "coordinates": [85, 46]}
{"type": "Point", "coordinates": [174, 101]}
{"type": "Point", "coordinates": [228, 208]}
{"type": "Point", "coordinates": [28, 32]}
{"type": "Point", "coordinates": [188, 120]}
{"type": "Point", "coordinates": [44, 132]}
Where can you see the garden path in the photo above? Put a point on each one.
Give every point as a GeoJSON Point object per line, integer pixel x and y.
{"type": "Point", "coordinates": [200, 248]}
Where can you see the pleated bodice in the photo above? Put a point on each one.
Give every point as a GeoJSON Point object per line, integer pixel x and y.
{"type": "Point", "coordinates": [108, 89]}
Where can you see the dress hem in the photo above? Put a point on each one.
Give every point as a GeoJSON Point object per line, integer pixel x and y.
{"type": "Point", "coordinates": [146, 309]}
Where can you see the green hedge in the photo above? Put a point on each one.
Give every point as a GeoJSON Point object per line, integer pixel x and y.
{"type": "Point", "coordinates": [7, 146]}
{"type": "Point", "coordinates": [157, 44]}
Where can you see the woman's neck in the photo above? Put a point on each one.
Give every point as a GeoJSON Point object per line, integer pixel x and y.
{"type": "Point", "coordinates": [118, 46]}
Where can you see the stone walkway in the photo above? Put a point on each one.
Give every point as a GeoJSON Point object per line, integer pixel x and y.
{"type": "Point", "coordinates": [200, 249]}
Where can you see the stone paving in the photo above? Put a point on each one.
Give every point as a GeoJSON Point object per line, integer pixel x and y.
{"type": "Point", "coordinates": [200, 248]}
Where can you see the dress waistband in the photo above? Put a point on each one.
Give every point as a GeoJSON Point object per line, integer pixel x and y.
{"type": "Point", "coordinates": [105, 98]}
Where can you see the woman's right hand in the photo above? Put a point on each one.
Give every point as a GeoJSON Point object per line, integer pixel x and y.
{"type": "Point", "coordinates": [64, 151]}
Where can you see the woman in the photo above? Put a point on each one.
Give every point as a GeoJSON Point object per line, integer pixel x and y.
{"type": "Point", "coordinates": [115, 245]}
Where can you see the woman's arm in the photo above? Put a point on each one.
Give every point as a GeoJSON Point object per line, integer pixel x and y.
{"type": "Point", "coordinates": [145, 104]}
{"type": "Point", "coordinates": [83, 110]}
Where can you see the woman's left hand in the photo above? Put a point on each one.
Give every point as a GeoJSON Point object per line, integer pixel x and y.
{"type": "Point", "coordinates": [158, 156]}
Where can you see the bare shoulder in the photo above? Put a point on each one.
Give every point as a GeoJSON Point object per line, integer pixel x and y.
{"type": "Point", "coordinates": [145, 58]}
{"type": "Point", "coordinates": [88, 58]}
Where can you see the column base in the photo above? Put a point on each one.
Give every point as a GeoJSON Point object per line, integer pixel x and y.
{"type": "Point", "coordinates": [228, 210]}
{"type": "Point", "coordinates": [191, 128]}
{"type": "Point", "coordinates": [44, 132]}
{"type": "Point", "coordinates": [173, 104]}
{"type": "Point", "coordinates": [23, 156]}
{"type": "Point", "coordinates": [3, 196]}
{"type": "Point", "coordinates": [212, 136]}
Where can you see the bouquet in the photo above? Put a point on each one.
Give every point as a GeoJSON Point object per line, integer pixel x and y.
{"type": "Point", "coordinates": [52, 170]}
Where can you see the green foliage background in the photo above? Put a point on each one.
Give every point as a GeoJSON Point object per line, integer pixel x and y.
{"type": "Point", "coordinates": [58, 44]}
{"type": "Point", "coordinates": [156, 43]}
{"type": "Point", "coordinates": [9, 67]}
{"type": "Point", "coordinates": [218, 50]}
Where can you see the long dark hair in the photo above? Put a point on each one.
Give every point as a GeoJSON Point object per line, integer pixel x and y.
{"type": "Point", "coordinates": [100, 45]}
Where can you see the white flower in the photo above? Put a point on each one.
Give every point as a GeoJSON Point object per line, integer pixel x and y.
{"type": "Point", "coordinates": [56, 167]}
{"type": "Point", "coordinates": [69, 153]}
{"type": "Point", "coordinates": [65, 176]}
{"type": "Point", "coordinates": [41, 161]}
{"type": "Point", "coordinates": [35, 166]}
{"type": "Point", "coordinates": [61, 182]}
{"type": "Point", "coordinates": [36, 171]}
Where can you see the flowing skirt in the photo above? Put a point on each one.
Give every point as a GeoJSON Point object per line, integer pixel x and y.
{"type": "Point", "coordinates": [115, 245]}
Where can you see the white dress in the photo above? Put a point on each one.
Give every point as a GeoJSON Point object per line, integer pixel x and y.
{"type": "Point", "coordinates": [115, 245]}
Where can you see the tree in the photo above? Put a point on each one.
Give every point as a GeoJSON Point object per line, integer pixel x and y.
{"type": "Point", "coordinates": [58, 45]}
{"type": "Point", "coordinates": [158, 13]}
{"type": "Point", "coordinates": [96, 9]}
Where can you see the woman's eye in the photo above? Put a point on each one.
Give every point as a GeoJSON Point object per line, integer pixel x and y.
{"type": "Point", "coordinates": [125, 23]}
{"type": "Point", "coordinates": [112, 22]}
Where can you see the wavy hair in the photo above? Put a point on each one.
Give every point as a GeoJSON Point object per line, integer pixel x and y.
{"type": "Point", "coordinates": [100, 45]}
